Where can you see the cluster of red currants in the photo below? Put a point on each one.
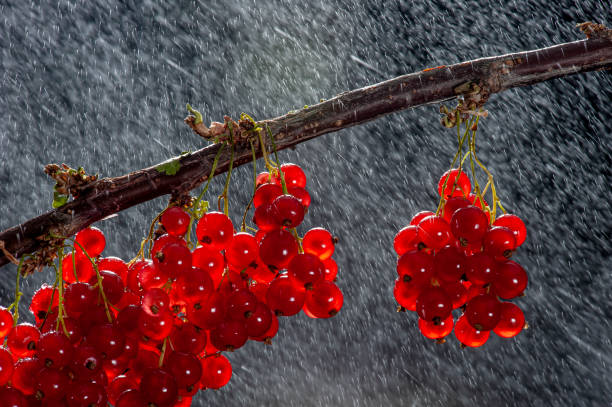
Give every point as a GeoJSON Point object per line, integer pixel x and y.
{"type": "Point", "coordinates": [459, 259]}
{"type": "Point", "coordinates": [152, 333]}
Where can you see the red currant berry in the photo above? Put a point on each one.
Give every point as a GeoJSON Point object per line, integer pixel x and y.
{"type": "Point", "coordinates": [114, 264]}
{"type": "Point", "coordinates": [433, 304]}
{"type": "Point", "coordinates": [86, 361]}
{"type": "Point", "coordinates": [120, 384]}
{"type": "Point", "coordinates": [112, 285]}
{"type": "Point", "coordinates": [24, 375]}
{"type": "Point", "coordinates": [11, 397]}
{"type": "Point", "coordinates": [515, 224]}
{"type": "Point", "coordinates": [449, 264]}
{"type": "Point", "coordinates": [54, 349]}
{"type": "Point", "coordinates": [155, 327]}
{"type": "Point", "coordinates": [216, 372]}
{"type": "Point", "coordinates": [416, 267]}
{"type": "Point", "coordinates": [481, 269]}
{"type": "Point", "coordinates": [405, 240]}
{"type": "Point", "coordinates": [483, 312]}
{"type": "Point", "coordinates": [306, 268]}
{"type": "Point", "coordinates": [158, 388]}
{"type": "Point", "coordinates": [185, 368]}
{"type": "Point", "coordinates": [259, 321]}
{"type": "Point", "coordinates": [454, 184]}
{"type": "Point", "coordinates": [324, 300]}
{"type": "Point", "coordinates": [468, 335]}
{"type": "Point", "coordinates": [92, 240]}
{"type": "Point", "coordinates": [266, 193]}
{"type": "Point", "coordinates": [6, 322]}
{"type": "Point", "coordinates": [211, 261]}
{"type": "Point", "coordinates": [44, 300]}
{"type": "Point", "coordinates": [499, 242]}
{"type": "Point", "coordinates": [452, 205]}
{"type": "Point", "coordinates": [457, 292]}
{"type": "Point", "coordinates": [288, 210]}
{"type": "Point", "coordinates": [294, 175]}
{"type": "Point", "coordinates": [173, 259]}
{"type": "Point", "coordinates": [194, 286]}
{"type": "Point", "coordinates": [229, 335]}
{"type": "Point", "coordinates": [50, 384]}
{"type": "Point", "coordinates": [242, 251]}
{"type": "Point", "coordinates": [163, 240]}
{"type": "Point", "coordinates": [511, 321]}
{"type": "Point", "coordinates": [510, 280]}
{"type": "Point", "coordinates": [436, 330]}
{"type": "Point", "coordinates": [270, 333]}
{"type": "Point", "coordinates": [6, 366]}
{"type": "Point", "coordinates": [215, 230]}
{"type": "Point", "coordinates": [188, 338]}
{"type": "Point", "coordinates": [420, 216]}
{"type": "Point", "coordinates": [302, 195]}
{"type": "Point", "coordinates": [107, 339]}
{"type": "Point", "coordinates": [469, 225]}
{"type": "Point", "coordinates": [22, 340]}
{"type": "Point", "coordinates": [285, 297]}
{"type": "Point", "coordinates": [331, 269]}
{"type": "Point", "coordinates": [265, 218]}
{"type": "Point", "coordinates": [79, 297]}
{"type": "Point", "coordinates": [150, 275]}
{"type": "Point", "coordinates": [77, 268]}
{"type": "Point", "coordinates": [319, 242]}
{"type": "Point", "coordinates": [240, 305]}
{"type": "Point", "coordinates": [277, 248]}
{"type": "Point", "coordinates": [210, 313]}
{"type": "Point", "coordinates": [433, 232]}
{"type": "Point", "coordinates": [175, 220]}
{"type": "Point", "coordinates": [406, 293]}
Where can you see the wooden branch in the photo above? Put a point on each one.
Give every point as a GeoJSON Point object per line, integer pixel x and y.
{"type": "Point", "coordinates": [475, 79]}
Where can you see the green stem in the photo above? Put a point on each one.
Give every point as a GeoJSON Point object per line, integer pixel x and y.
{"type": "Point", "coordinates": [18, 293]}
{"type": "Point", "coordinates": [243, 224]}
{"type": "Point", "coordinates": [280, 173]}
{"type": "Point", "coordinates": [99, 278]}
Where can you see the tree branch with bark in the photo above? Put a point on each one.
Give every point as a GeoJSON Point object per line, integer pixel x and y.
{"type": "Point", "coordinates": [471, 81]}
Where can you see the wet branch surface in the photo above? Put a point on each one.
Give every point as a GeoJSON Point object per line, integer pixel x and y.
{"type": "Point", "coordinates": [107, 196]}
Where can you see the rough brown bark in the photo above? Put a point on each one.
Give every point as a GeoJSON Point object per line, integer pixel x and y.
{"type": "Point", "coordinates": [492, 75]}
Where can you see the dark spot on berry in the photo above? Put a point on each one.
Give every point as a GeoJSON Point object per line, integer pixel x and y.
{"type": "Point", "coordinates": [206, 240]}
{"type": "Point", "coordinates": [407, 278]}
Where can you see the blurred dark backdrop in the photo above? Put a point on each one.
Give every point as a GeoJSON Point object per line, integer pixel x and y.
{"type": "Point", "coordinates": [103, 84]}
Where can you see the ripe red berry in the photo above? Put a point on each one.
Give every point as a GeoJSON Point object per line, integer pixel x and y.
{"type": "Point", "coordinates": [6, 366]}
{"type": "Point", "coordinates": [452, 205]}
{"type": "Point", "coordinates": [433, 304]}
{"type": "Point", "coordinates": [511, 321]}
{"type": "Point", "coordinates": [92, 239]}
{"type": "Point", "coordinates": [324, 300]}
{"type": "Point", "coordinates": [175, 221]}
{"type": "Point", "coordinates": [454, 184]}
{"type": "Point", "coordinates": [301, 194]}
{"type": "Point", "coordinates": [211, 261]}
{"type": "Point", "coordinates": [481, 269]}
{"type": "Point", "coordinates": [229, 335]}
{"type": "Point", "coordinates": [510, 280]}
{"type": "Point", "coordinates": [457, 292]}
{"type": "Point", "coordinates": [306, 268]}
{"type": "Point", "coordinates": [158, 388]}
{"type": "Point", "coordinates": [210, 313]}
{"type": "Point", "coordinates": [151, 275]}
{"type": "Point", "coordinates": [266, 193]}
{"type": "Point", "coordinates": [163, 240]}
{"type": "Point", "coordinates": [22, 340]}
{"type": "Point", "coordinates": [436, 330]}
{"type": "Point", "coordinates": [76, 268]}
{"type": "Point", "coordinates": [331, 269]}
{"type": "Point", "coordinates": [114, 264]}
{"type": "Point", "coordinates": [285, 297]}
{"type": "Point", "coordinates": [449, 264]}
{"type": "Point", "coordinates": [79, 297]}
{"type": "Point", "coordinates": [240, 305]}
{"type": "Point", "coordinates": [406, 293]}
{"type": "Point", "coordinates": [173, 259]}
{"type": "Point", "coordinates": [469, 225]}
{"type": "Point", "coordinates": [242, 251]}
{"type": "Point", "coordinates": [44, 300]}
{"type": "Point", "coordinates": [319, 242]}
{"type": "Point", "coordinates": [483, 312]}
{"type": "Point", "coordinates": [155, 327]}
{"type": "Point", "coordinates": [499, 242]}
{"type": "Point", "coordinates": [468, 335]}
{"type": "Point", "coordinates": [185, 368]}
{"type": "Point", "coordinates": [6, 322]}
{"type": "Point", "coordinates": [107, 339]}
{"type": "Point", "coordinates": [277, 248]}
{"type": "Point", "coordinates": [515, 224]}
{"type": "Point", "coordinates": [420, 216]}
{"type": "Point", "coordinates": [416, 267]}
{"type": "Point", "coordinates": [270, 333]}
{"type": "Point", "coordinates": [215, 230]}
{"type": "Point", "coordinates": [294, 175]}
{"type": "Point", "coordinates": [112, 285]}
{"type": "Point", "coordinates": [216, 372]}
{"type": "Point", "coordinates": [24, 375]}
{"type": "Point", "coordinates": [288, 210]}
{"type": "Point", "coordinates": [54, 349]}
{"type": "Point", "coordinates": [405, 240]}
{"type": "Point", "coordinates": [434, 232]}
{"type": "Point", "coordinates": [50, 384]}
{"type": "Point", "coordinates": [259, 321]}
{"type": "Point", "coordinates": [193, 286]}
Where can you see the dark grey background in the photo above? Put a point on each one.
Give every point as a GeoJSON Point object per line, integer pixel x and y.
{"type": "Point", "coordinates": [103, 84]}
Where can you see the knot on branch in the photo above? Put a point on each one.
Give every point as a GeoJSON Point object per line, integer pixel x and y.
{"type": "Point", "coordinates": [471, 98]}
{"type": "Point", "coordinates": [226, 132]}
{"type": "Point", "coordinates": [68, 181]}
{"type": "Point", "coordinates": [594, 30]}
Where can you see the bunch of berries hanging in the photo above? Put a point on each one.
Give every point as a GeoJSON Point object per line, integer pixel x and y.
{"type": "Point", "coordinates": [458, 258]}
{"type": "Point", "coordinates": [152, 332]}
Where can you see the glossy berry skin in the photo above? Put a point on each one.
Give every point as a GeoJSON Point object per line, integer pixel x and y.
{"type": "Point", "coordinates": [114, 264]}
{"type": "Point", "coordinates": [216, 372]}
{"type": "Point", "coordinates": [188, 338]}
{"type": "Point", "coordinates": [80, 268]}
{"type": "Point", "coordinates": [483, 312]}
{"type": "Point", "coordinates": [210, 313]}
{"type": "Point", "coordinates": [173, 259]}
{"type": "Point", "coordinates": [452, 205]}
{"type": "Point", "coordinates": [240, 305]}
{"type": "Point", "coordinates": [229, 335]}
{"type": "Point", "coordinates": [11, 397]}
{"type": "Point", "coordinates": [510, 280]}
{"type": "Point", "coordinates": [433, 304]}
{"type": "Point", "coordinates": [22, 340]}
{"type": "Point", "coordinates": [162, 241]}
{"type": "Point", "coordinates": [515, 224]}
{"type": "Point", "coordinates": [406, 293]}
{"type": "Point", "coordinates": [185, 368]}
{"type": "Point", "coordinates": [285, 297]}
{"type": "Point", "coordinates": [111, 284]}
{"type": "Point", "coordinates": [51, 384]}
{"type": "Point", "coordinates": [265, 218]}
{"type": "Point", "coordinates": [242, 251]}
{"type": "Point", "coordinates": [318, 241]}
{"type": "Point", "coordinates": [215, 230]}
{"type": "Point", "coordinates": [481, 269]}
{"type": "Point", "coordinates": [44, 300]}
{"type": "Point", "coordinates": [306, 268]}
{"type": "Point", "coordinates": [419, 216]}
{"type": "Point", "coordinates": [331, 269]}
{"type": "Point", "coordinates": [6, 322]}
{"type": "Point", "coordinates": [277, 248]}
{"type": "Point", "coordinates": [468, 335]}
{"type": "Point", "coordinates": [54, 349]}
{"type": "Point", "coordinates": [288, 210]}
{"type": "Point", "coordinates": [107, 339]}
{"type": "Point", "coordinates": [6, 366]}
{"type": "Point", "coordinates": [438, 330]}
{"type": "Point", "coordinates": [457, 292]}
{"type": "Point", "coordinates": [499, 242]}
{"type": "Point", "coordinates": [266, 193]}
{"type": "Point", "coordinates": [24, 375]}
{"type": "Point", "coordinates": [415, 266]}
{"type": "Point", "coordinates": [511, 320]}
{"type": "Point", "coordinates": [449, 264]}
{"type": "Point", "coordinates": [79, 297]}
{"type": "Point", "coordinates": [211, 261]}
{"type": "Point", "coordinates": [301, 194]}
{"type": "Point", "coordinates": [259, 321]}
{"type": "Point", "coordinates": [405, 240]}
{"type": "Point", "coordinates": [175, 221]}
{"type": "Point", "coordinates": [92, 239]}
{"type": "Point", "coordinates": [155, 327]}
{"type": "Point", "coordinates": [158, 388]}
{"type": "Point", "coordinates": [324, 300]}
{"type": "Point", "coordinates": [294, 175]}
{"type": "Point", "coordinates": [193, 286]}
{"type": "Point", "coordinates": [469, 225]}
{"type": "Point", "coordinates": [434, 232]}
{"type": "Point", "coordinates": [454, 184]}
